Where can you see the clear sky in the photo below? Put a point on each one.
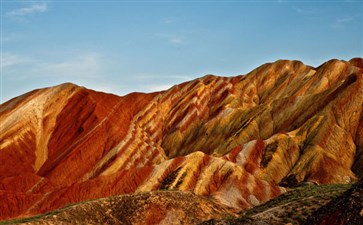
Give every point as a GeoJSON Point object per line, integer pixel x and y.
{"type": "Point", "coordinates": [125, 46]}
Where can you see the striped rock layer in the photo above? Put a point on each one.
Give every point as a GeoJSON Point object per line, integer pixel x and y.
{"type": "Point", "coordinates": [238, 140]}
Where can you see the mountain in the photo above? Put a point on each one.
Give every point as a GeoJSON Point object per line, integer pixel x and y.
{"type": "Point", "coordinates": [158, 207]}
{"type": "Point", "coordinates": [345, 209]}
{"type": "Point", "coordinates": [235, 141]}
{"type": "Point", "coordinates": [292, 207]}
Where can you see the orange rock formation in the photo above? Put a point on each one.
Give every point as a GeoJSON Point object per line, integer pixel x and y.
{"type": "Point", "coordinates": [237, 139]}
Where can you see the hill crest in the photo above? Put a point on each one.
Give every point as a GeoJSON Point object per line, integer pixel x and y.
{"type": "Point", "coordinates": [239, 140]}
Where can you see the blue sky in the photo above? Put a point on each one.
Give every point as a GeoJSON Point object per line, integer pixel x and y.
{"type": "Point", "coordinates": [126, 46]}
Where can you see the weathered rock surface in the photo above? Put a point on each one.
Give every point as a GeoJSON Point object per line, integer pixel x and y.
{"type": "Point", "coordinates": [345, 209]}
{"type": "Point", "coordinates": [234, 139]}
{"type": "Point", "coordinates": [292, 207]}
{"type": "Point", "coordinates": [161, 207]}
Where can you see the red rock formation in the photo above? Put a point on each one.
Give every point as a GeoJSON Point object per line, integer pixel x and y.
{"type": "Point", "coordinates": [234, 139]}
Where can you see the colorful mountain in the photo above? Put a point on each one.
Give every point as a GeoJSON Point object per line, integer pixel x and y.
{"type": "Point", "coordinates": [237, 141]}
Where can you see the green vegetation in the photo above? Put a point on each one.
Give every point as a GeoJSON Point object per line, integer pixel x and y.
{"type": "Point", "coordinates": [29, 219]}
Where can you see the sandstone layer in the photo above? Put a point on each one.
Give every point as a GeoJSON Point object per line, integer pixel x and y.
{"type": "Point", "coordinates": [237, 140]}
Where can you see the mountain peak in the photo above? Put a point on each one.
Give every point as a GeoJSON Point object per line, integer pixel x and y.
{"type": "Point", "coordinates": [238, 140]}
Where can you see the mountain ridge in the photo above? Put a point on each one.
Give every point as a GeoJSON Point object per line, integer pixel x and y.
{"type": "Point", "coordinates": [237, 139]}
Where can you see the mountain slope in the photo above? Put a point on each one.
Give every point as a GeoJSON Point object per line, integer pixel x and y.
{"type": "Point", "coordinates": [235, 139]}
{"type": "Point", "coordinates": [345, 209]}
{"type": "Point", "coordinates": [292, 207]}
{"type": "Point", "coordinates": [161, 207]}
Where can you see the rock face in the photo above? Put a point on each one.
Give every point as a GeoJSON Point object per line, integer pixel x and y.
{"type": "Point", "coordinates": [238, 140]}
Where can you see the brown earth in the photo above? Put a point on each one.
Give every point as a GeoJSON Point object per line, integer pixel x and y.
{"type": "Point", "coordinates": [237, 140]}
{"type": "Point", "coordinates": [293, 207]}
{"type": "Point", "coordinates": [345, 209]}
{"type": "Point", "coordinates": [160, 207]}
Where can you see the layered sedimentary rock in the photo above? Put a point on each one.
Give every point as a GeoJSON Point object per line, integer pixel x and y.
{"type": "Point", "coordinates": [238, 140]}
